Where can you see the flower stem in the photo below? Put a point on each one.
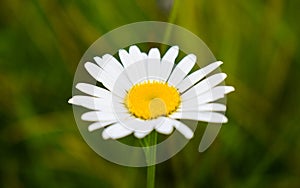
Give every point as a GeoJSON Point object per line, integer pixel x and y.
{"type": "Point", "coordinates": [151, 159]}
{"type": "Point", "coordinates": [172, 18]}
{"type": "Point", "coordinates": [151, 176]}
{"type": "Point", "coordinates": [150, 150]}
{"type": "Point", "coordinates": [174, 11]}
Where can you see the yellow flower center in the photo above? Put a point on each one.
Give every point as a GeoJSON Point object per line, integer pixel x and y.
{"type": "Point", "coordinates": [151, 99]}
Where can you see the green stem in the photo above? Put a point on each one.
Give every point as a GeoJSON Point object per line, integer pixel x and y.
{"type": "Point", "coordinates": [151, 159]}
{"type": "Point", "coordinates": [150, 149]}
{"type": "Point", "coordinates": [171, 19]}
{"type": "Point", "coordinates": [174, 12]}
{"type": "Point", "coordinates": [151, 176]}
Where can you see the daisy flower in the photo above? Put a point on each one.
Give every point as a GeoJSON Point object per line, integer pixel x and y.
{"type": "Point", "coordinates": [146, 92]}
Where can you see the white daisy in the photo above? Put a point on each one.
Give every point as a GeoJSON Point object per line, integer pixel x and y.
{"type": "Point", "coordinates": [147, 92]}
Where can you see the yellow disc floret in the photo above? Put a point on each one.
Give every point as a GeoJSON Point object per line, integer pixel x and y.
{"type": "Point", "coordinates": [151, 99]}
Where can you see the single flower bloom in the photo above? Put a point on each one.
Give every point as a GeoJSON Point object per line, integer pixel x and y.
{"type": "Point", "coordinates": [146, 92]}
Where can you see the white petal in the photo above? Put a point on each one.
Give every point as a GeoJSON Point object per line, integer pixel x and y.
{"type": "Point", "coordinates": [99, 125]}
{"type": "Point", "coordinates": [153, 64]}
{"type": "Point", "coordinates": [99, 61]}
{"type": "Point", "coordinates": [95, 103]}
{"type": "Point", "coordinates": [108, 80]}
{"type": "Point", "coordinates": [134, 63]}
{"type": "Point", "coordinates": [98, 74]}
{"type": "Point", "coordinates": [209, 96]}
{"type": "Point", "coordinates": [167, 62]}
{"type": "Point", "coordinates": [154, 54]}
{"type": "Point", "coordinates": [183, 129]}
{"type": "Point", "coordinates": [93, 90]}
{"type": "Point", "coordinates": [114, 69]}
{"type": "Point", "coordinates": [91, 102]}
{"type": "Point", "coordinates": [111, 65]}
{"type": "Point", "coordinates": [98, 116]}
{"type": "Point", "coordinates": [141, 68]}
{"type": "Point", "coordinates": [93, 70]}
{"type": "Point", "coordinates": [196, 76]}
{"type": "Point", "coordinates": [141, 134]}
{"type": "Point", "coordinates": [135, 54]}
{"type": "Point", "coordinates": [122, 85]}
{"type": "Point", "coordinates": [139, 125]}
{"type": "Point", "coordinates": [119, 106]}
{"type": "Point", "coordinates": [144, 55]}
{"type": "Point", "coordinates": [171, 54]}
{"type": "Point", "coordinates": [125, 58]}
{"type": "Point", "coordinates": [137, 72]}
{"type": "Point", "coordinates": [71, 101]}
{"type": "Point", "coordinates": [212, 117]}
{"type": "Point", "coordinates": [182, 69]}
{"type": "Point", "coordinates": [203, 107]}
{"type": "Point", "coordinates": [204, 86]}
{"type": "Point", "coordinates": [165, 127]}
{"type": "Point", "coordinates": [115, 131]}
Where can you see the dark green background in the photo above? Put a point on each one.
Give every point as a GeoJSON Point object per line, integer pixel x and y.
{"type": "Point", "coordinates": [42, 41]}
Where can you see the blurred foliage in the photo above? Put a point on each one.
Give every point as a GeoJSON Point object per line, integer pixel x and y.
{"type": "Point", "coordinates": [41, 43]}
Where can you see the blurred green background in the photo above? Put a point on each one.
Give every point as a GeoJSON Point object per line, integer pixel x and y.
{"type": "Point", "coordinates": [42, 41]}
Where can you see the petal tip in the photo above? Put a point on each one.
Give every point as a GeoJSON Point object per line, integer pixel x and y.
{"type": "Point", "coordinates": [154, 53]}
{"type": "Point", "coordinates": [190, 136]}
{"type": "Point", "coordinates": [105, 136]}
{"type": "Point", "coordinates": [97, 58]}
{"type": "Point", "coordinates": [176, 47]}
{"type": "Point", "coordinates": [153, 50]}
{"type": "Point", "coordinates": [87, 64]}
{"type": "Point", "coordinates": [90, 129]}
{"type": "Point", "coordinates": [133, 47]}
{"type": "Point", "coordinates": [229, 89]}
{"type": "Point", "coordinates": [224, 120]}
{"type": "Point", "coordinates": [122, 51]}
{"type": "Point", "coordinates": [224, 75]}
{"type": "Point", "coordinates": [139, 135]}
{"type": "Point", "coordinates": [219, 62]}
{"type": "Point", "coordinates": [193, 57]}
{"type": "Point", "coordinates": [79, 86]}
{"type": "Point", "coordinates": [71, 101]}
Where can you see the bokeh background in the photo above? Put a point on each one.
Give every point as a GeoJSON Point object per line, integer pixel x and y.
{"type": "Point", "coordinates": [41, 43]}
